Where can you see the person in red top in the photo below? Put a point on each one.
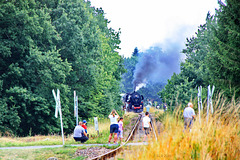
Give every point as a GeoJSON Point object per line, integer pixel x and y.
{"type": "Point", "coordinates": [84, 125]}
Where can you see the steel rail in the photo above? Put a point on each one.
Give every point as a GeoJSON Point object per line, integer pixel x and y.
{"type": "Point", "coordinates": [114, 152]}
{"type": "Point", "coordinates": [153, 128]}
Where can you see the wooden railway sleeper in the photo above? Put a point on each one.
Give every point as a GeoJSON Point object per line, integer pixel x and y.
{"type": "Point", "coordinates": [115, 151]}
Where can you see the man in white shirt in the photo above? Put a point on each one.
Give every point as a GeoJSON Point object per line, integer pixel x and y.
{"type": "Point", "coordinates": [189, 115]}
{"type": "Point", "coordinates": [114, 126]}
{"type": "Point", "coordinates": [146, 125]}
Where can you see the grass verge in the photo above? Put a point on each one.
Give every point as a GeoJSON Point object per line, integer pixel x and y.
{"type": "Point", "coordinates": [57, 139]}
{"type": "Point", "coordinates": [62, 153]}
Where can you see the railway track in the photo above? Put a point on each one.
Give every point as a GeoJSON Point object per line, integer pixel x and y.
{"type": "Point", "coordinates": [134, 130]}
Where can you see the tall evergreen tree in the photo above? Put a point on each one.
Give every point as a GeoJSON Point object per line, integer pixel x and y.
{"type": "Point", "coordinates": [135, 52]}
{"type": "Point", "coordinates": [127, 78]}
{"type": "Point", "coordinates": [224, 58]}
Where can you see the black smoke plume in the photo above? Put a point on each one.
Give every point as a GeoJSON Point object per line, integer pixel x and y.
{"type": "Point", "coordinates": [156, 65]}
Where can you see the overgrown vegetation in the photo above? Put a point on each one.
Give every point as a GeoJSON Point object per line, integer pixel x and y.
{"type": "Point", "coordinates": [217, 138]}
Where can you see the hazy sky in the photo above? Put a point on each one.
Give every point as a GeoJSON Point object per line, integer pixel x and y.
{"type": "Point", "coordinates": [145, 23]}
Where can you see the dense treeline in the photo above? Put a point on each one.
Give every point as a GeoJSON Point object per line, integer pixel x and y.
{"type": "Point", "coordinates": [213, 58]}
{"type": "Point", "coordinates": [46, 45]}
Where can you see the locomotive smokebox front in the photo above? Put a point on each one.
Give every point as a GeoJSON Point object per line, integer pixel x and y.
{"type": "Point", "coordinates": [134, 102]}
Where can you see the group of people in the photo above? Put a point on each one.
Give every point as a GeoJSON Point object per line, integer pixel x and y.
{"type": "Point", "coordinates": [149, 105]}
{"type": "Point", "coordinates": [116, 126]}
{"type": "Point", "coordinates": [80, 132]}
{"type": "Point", "coordinates": [188, 114]}
{"type": "Point", "coordinates": [116, 129]}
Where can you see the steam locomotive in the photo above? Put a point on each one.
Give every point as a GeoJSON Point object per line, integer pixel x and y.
{"type": "Point", "coordinates": [134, 102]}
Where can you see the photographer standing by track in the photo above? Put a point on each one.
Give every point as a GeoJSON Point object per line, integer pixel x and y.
{"type": "Point", "coordinates": [114, 126]}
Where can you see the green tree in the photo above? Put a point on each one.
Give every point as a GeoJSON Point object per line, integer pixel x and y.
{"type": "Point", "coordinates": [90, 46]}
{"type": "Point", "coordinates": [224, 56]}
{"type": "Point", "coordinates": [212, 56]}
{"type": "Point", "coordinates": [182, 87]}
{"type": "Point", "coordinates": [45, 45]}
{"type": "Point", "coordinates": [30, 67]}
{"type": "Point", "coordinates": [127, 78]}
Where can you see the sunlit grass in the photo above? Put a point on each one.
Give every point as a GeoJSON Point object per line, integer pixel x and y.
{"type": "Point", "coordinates": [103, 124]}
{"type": "Point", "coordinates": [217, 138]}
{"type": "Point", "coordinates": [64, 153]}
{"type": "Point", "coordinates": [31, 141]}
{"type": "Point", "coordinates": [94, 137]}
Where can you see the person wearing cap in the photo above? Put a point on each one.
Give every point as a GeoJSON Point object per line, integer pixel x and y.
{"type": "Point", "coordinates": [189, 115]}
{"type": "Point", "coordinates": [79, 133]}
{"type": "Point", "coordinates": [84, 125]}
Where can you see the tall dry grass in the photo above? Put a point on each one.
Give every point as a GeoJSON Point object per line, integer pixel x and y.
{"type": "Point", "coordinates": [103, 125]}
{"type": "Point", "coordinates": [217, 138]}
